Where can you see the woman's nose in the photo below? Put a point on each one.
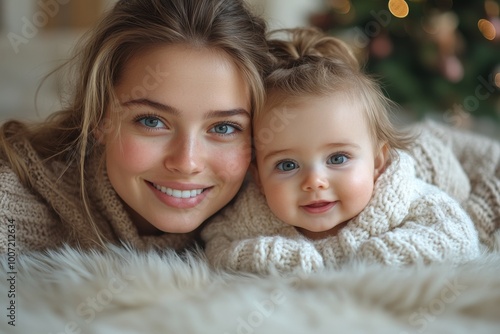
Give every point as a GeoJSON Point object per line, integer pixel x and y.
{"type": "Point", "coordinates": [315, 180]}
{"type": "Point", "coordinates": [185, 155]}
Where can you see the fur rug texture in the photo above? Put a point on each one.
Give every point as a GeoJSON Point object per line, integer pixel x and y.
{"type": "Point", "coordinates": [125, 291]}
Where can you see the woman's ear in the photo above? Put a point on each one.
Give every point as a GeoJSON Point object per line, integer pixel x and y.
{"type": "Point", "coordinates": [103, 128]}
{"type": "Point", "coordinates": [99, 135]}
{"type": "Point", "coordinates": [382, 157]}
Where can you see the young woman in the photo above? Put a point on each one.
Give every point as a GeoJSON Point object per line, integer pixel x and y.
{"type": "Point", "coordinates": [156, 136]}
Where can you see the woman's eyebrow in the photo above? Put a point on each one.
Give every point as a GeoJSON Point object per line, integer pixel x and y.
{"type": "Point", "coordinates": [171, 110]}
{"type": "Point", "coordinates": [227, 113]}
{"type": "Point", "coordinates": [153, 104]}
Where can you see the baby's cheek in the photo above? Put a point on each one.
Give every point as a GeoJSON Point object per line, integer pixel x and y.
{"type": "Point", "coordinates": [281, 197]}
{"type": "Point", "coordinates": [359, 189]}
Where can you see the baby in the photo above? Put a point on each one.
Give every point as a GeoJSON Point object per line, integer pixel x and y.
{"type": "Point", "coordinates": [332, 179]}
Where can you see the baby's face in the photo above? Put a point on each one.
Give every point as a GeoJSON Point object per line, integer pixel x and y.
{"type": "Point", "coordinates": [316, 161]}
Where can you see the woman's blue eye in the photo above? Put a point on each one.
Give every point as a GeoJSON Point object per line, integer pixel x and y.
{"type": "Point", "coordinates": [337, 159]}
{"type": "Point", "coordinates": [151, 122]}
{"type": "Point", "coordinates": [287, 166]}
{"type": "Point", "coordinates": [223, 128]}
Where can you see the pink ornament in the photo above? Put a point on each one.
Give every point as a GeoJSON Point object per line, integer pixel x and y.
{"type": "Point", "coordinates": [452, 68]}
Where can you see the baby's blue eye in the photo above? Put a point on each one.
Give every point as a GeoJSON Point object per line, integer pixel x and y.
{"type": "Point", "coordinates": [287, 166]}
{"type": "Point", "coordinates": [223, 128]}
{"type": "Point", "coordinates": [151, 122]}
{"type": "Point", "coordinates": [337, 159]}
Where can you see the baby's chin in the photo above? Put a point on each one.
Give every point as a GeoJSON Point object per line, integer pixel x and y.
{"type": "Point", "coordinates": [318, 235]}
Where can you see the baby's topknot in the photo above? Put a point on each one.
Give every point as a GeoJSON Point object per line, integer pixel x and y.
{"type": "Point", "coordinates": [306, 45]}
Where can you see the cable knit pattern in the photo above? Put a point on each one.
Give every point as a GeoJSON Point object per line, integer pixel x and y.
{"type": "Point", "coordinates": [479, 158]}
{"type": "Point", "coordinates": [51, 214]}
{"type": "Point", "coordinates": [407, 221]}
{"type": "Point", "coordinates": [438, 165]}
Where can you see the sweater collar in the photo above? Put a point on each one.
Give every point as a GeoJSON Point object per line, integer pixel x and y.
{"type": "Point", "coordinates": [390, 203]}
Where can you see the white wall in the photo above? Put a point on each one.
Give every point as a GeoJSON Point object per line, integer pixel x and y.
{"type": "Point", "coordinates": [279, 13]}
{"type": "Point", "coordinates": [13, 11]}
{"type": "Point", "coordinates": [287, 13]}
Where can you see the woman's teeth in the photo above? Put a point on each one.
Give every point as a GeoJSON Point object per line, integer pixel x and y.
{"type": "Point", "coordinates": [179, 193]}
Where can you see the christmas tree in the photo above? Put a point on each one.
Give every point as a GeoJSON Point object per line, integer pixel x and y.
{"type": "Point", "coordinates": [433, 56]}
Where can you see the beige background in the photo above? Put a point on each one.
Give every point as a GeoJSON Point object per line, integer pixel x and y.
{"type": "Point", "coordinates": [22, 71]}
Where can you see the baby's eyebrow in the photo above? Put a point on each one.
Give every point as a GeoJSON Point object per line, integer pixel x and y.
{"type": "Point", "coordinates": [344, 144]}
{"type": "Point", "coordinates": [332, 146]}
{"type": "Point", "coordinates": [272, 154]}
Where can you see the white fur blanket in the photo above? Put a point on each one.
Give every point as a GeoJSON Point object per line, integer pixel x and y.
{"type": "Point", "coordinates": [124, 291]}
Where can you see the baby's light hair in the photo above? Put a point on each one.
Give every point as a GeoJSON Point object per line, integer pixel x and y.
{"type": "Point", "coordinates": [307, 62]}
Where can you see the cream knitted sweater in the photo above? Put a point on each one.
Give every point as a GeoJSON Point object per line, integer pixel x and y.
{"type": "Point", "coordinates": [407, 221]}
{"type": "Point", "coordinates": [52, 213]}
{"type": "Point", "coordinates": [467, 166]}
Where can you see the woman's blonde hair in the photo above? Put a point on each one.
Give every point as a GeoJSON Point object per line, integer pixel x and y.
{"type": "Point", "coordinates": [130, 26]}
{"type": "Point", "coordinates": [307, 62]}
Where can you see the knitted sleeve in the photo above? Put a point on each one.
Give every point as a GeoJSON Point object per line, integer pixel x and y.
{"type": "Point", "coordinates": [332, 252]}
{"type": "Point", "coordinates": [264, 255]}
{"type": "Point", "coordinates": [246, 236]}
{"type": "Point", "coordinates": [26, 222]}
{"type": "Point", "coordinates": [479, 156]}
{"type": "Point", "coordinates": [437, 164]}
{"type": "Point", "coordinates": [436, 230]}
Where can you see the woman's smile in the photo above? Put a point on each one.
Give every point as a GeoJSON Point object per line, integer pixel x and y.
{"type": "Point", "coordinates": [179, 199]}
{"type": "Point", "coordinates": [179, 193]}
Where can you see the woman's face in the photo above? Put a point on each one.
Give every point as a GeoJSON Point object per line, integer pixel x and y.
{"type": "Point", "coordinates": [178, 141]}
